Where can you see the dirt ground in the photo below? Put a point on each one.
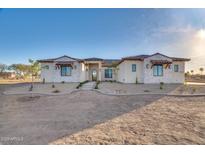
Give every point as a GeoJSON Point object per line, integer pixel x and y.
{"type": "Point", "coordinates": [44, 88]}
{"type": "Point", "coordinates": [121, 88]}
{"type": "Point", "coordinates": [43, 119]}
{"type": "Point", "coordinates": [165, 121]}
{"type": "Point", "coordinates": [190, 89]}
{"type": "Point", "coordinates": [15, 81]}
{"type": "Point", "coordinates": [91, 118]}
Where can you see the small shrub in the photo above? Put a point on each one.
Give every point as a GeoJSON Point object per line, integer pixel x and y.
{"type": "Point", "coordinates": [62, 82]}
{"type": "Point", "coordinates": [161, 85]}
{"type": "Point", "coordinates": [97, 83]}
{"type": "Point", "coordinates": [136, 81]}
{"type": "Point", "coordinates": [56, 91]}
{"type": "Point", "coordinates": [31, 87]}
{"type": "Point", "coordinates": [53, 86]}
{"type": "Point", "coordinates": [193, 90]}
{"type": "Point", "coordinates": [81, 83]}
{"type": "Point", "coordinates": [146, 91]}
{"type": "Point", "coordinates": [44, 80]}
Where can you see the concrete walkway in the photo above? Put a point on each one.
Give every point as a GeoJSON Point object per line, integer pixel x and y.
{"type": "Point", "coordinates": [88, 86]}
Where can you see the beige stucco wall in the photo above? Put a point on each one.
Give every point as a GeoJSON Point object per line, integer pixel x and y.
{"type": "Point", "coordinates": [54, 75]}
{"type": "Point", "coordinates": [125, 73]}
{"type": "Point", "coordinates": [169, 76]}
{"type": "Point", "coordinates": [83, 72]}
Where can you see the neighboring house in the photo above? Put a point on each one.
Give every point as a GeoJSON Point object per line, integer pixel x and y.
{"type": "Point", "coordinates": [154, 68]}
{"type": "Point", "coordinates": [8, 74]}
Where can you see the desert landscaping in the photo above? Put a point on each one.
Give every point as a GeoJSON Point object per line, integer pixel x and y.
{"type": "Point", "coordinates": [89, 117]}
{"type": "Point", "coordinates": [40, 88]}
{"type": "Point", "coordinates": [120, 88]}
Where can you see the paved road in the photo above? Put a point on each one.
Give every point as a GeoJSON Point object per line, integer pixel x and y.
{"type": "Point", "coordinates": [41, 120]}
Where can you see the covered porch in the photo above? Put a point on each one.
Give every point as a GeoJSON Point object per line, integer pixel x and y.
{"type": "Point", "coordinates": [93, 70]}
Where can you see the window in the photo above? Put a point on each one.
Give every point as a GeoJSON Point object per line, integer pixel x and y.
{"type": "Point", "coordinates": [66, 71]}
{"type": "Point", "coordinates": [176, 68]}
{"type": "Point", "coordinates": [108, 73]}
{"type": "Point", "coordinates": [45, 67]}
{"type": "Point", "coordinates": [158, 70]}
{"type": "Point", "coordinates": [134, 67]}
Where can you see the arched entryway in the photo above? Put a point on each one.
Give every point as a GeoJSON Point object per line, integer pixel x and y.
{"type": "Point", "coordinates": [94, 75]}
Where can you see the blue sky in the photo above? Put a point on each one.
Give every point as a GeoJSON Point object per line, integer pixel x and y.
{"type": "Point", "coordinates": [104, 33]}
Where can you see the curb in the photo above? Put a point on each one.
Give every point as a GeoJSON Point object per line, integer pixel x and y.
{"type": "Point", "coordinates": [136, 94]}
{"type": "Point", "coordinates": [46, 94]}
{"type": "Point", "coordinates": [108, 94]}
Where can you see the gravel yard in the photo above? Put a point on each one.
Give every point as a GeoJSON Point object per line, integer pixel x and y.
{"type": "Point", "coordinates": [120, 88]}
{"type": "Point", "coordinates": [44, 88]}
{"type": "Point", "coordinates": [190, 89]}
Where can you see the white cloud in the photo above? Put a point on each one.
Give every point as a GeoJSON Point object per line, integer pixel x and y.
{"type": "Point", "coordinates": [175, 29]}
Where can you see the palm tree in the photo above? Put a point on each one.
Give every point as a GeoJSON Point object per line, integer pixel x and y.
{"type": "Point", "coordinates": [192, 72]}
{"type": "Point", "coordinates": [201, 70]}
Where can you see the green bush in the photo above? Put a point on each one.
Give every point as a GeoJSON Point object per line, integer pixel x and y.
{"type": "Point", "coordinates": [136, 81]}
{"type": "Point", "coordinates": [146, 91]}
{"type": "Point", "coordinates": [193, 90]}
{"type": "Point", "coordinates": [81, 83]}
{"type": "Point", "coordinates": [161, 85]}
{"type": "Point", "coordinates": [56, 91]}
{"type": "Point", "coordinates": [44, 80]}
{"type": "Point", "coordinates": [31, 87]}
{"type": "Point", "coordinates": [97, 83]}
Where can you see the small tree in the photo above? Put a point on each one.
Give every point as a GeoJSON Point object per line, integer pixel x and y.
{"type": "Point", "coordinates": [3, 67]}
{"type": "Point", "coordinates": [34, 70]}
{"type": "Point", "coordinates": [22, 70]}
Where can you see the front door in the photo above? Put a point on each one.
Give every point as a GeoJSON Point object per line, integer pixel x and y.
{"type": "Point", "coordinates": [94, 75]}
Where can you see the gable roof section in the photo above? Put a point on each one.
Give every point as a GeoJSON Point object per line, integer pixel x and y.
{"type": "Point", "coordinates": [142, 57]}
{"type": "Point", "coordinates": [54, 59]}
{"type": "Point", "coordinates": [113, 62]}
{"type": "Point", "coordinates": [110, 62]}
{"type": "Point", "coordinates": [93, 59]}
{"type": "Point", "coordinates": [138, 57]}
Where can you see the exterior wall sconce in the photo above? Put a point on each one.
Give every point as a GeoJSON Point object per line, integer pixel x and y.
{"type": "Point", "coordinates": [147, 66]}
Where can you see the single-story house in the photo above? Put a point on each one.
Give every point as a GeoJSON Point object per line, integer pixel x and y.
{"type": "Point", "coordinates": [153, 68]}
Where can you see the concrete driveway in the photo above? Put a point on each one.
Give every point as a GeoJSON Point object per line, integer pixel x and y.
{"type": "Point", "coordinates": [43, 119]}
